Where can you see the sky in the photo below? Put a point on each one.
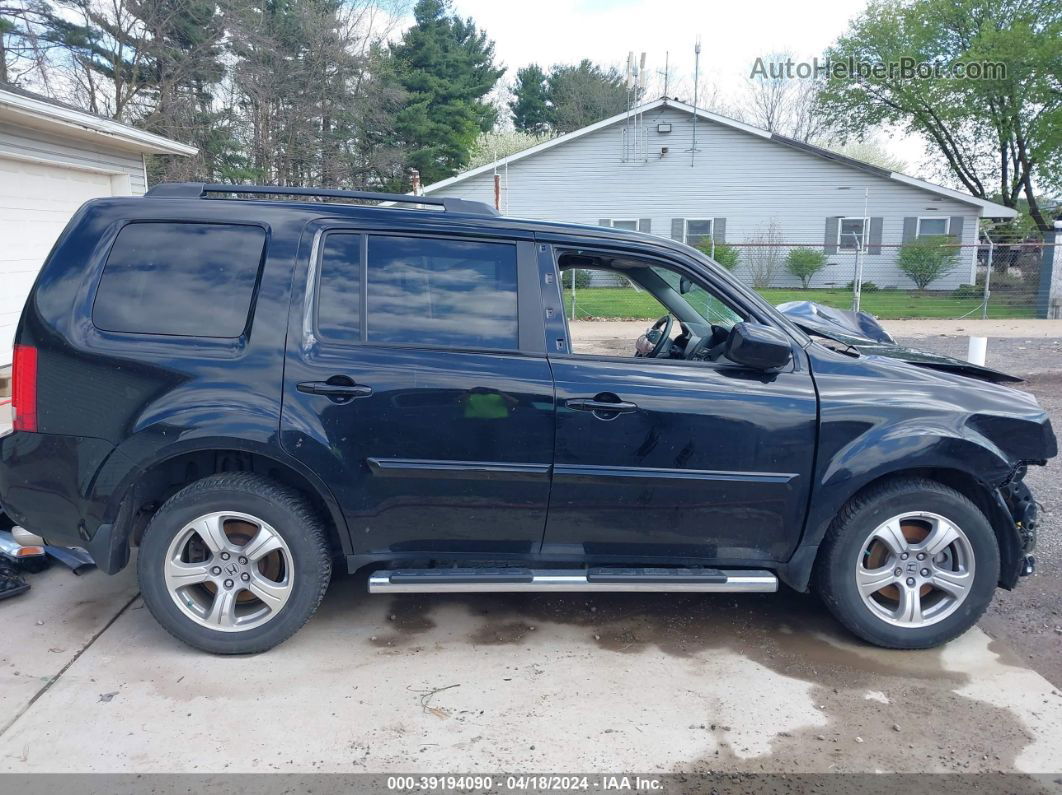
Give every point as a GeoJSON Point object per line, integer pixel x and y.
{"type": "Point", "coordinates": [733, 35]}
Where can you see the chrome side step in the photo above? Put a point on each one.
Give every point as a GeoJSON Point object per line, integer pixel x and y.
{"type": "Point", "coordinates": [600, 579]}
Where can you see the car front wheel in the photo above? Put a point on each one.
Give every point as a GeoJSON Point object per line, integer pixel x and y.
{"type": "Point", "coordinates": [909, 564]}
{"type": "Point", "coordinates": [234, 564]}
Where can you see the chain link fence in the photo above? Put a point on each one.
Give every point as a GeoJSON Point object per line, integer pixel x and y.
{"type": "Point", "coordinates": [927, 277]}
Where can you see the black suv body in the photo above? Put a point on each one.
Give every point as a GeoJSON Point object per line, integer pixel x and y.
{"type": "Point", "coordinates": [396, 388]}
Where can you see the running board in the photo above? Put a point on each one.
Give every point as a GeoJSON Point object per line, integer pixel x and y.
{"type": "Point", "coordinates": [600, 579]}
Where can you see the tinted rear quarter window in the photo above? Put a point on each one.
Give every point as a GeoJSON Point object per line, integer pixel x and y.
{"type": "Point", "coordinates": [181, 279]}
{"type": "Point", "coordinates": [339, 292]}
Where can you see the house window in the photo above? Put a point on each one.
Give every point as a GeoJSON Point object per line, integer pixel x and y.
{"type": "Point", "coordinates": [931, 227]}
{"type": "Point", "coordinates": [628, 224]}
{"type": "Point", "coordinates": [850, 233]}
{"type": "Point", "coordinates": [698, 232]}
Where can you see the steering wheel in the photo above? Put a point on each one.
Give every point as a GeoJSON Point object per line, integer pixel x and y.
{"type": "Point", "coordinates": [650, 338]}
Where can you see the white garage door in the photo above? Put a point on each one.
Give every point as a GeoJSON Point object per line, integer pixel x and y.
{"type": "Point", "coordinates": [36, 201]}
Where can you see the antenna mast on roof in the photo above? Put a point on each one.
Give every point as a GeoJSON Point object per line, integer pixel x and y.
{"type": "Point", "coordinates": [696, 87]}
{"type": "Point", "coordinates": [639, 93]}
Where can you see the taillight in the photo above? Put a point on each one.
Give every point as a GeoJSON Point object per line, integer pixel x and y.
{"type": "Point", "coordinates": [24, 388]}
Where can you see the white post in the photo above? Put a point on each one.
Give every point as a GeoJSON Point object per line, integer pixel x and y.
{"type": "Point", "coordinates": [573, 293]}
{"type": "Point", "coordinates": [988, 275]}
{"type": "Point", "coordinates": [975, 353]}
{"type": "Point", "coordinates": [857, 282]}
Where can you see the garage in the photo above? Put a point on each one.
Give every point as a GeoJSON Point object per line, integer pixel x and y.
{"type": "Point", "coordinates": [53, 158]}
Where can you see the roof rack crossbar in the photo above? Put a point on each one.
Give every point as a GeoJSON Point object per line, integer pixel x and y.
{"type": "Point", "coordinates": [199, 190]}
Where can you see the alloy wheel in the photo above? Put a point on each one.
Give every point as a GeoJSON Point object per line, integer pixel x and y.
{"type": "Point", "coordinates": [915, 569]}
{"type": "Point", "coordinates": [229, 571]}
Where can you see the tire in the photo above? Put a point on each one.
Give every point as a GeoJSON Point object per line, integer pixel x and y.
{"type": "Point", "coordinates": [261, 598]}
{"type": "Point", "coordinates": [914, 610]}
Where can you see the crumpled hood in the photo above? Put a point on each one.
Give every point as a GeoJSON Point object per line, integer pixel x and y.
{"type": "Point", "coordinates": [863, 332]}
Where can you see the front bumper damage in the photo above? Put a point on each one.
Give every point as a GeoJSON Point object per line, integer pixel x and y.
{"type": "Point", "coordinates": [1018, 502]}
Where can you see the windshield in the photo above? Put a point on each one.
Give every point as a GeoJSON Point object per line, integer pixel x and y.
{"type": "Point", "coordinates": [722, 273]}
{"type": "Point", "coordinates": [704, 303]}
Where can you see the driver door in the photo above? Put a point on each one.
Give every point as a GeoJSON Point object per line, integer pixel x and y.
{"type": "Point", "coordinates": [702, 460]}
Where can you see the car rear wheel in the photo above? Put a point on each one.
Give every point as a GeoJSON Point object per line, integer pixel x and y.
{"type": "Point", "coordinates": [234, 564]}
{"type": "Point", "coordinates": [908, 565]}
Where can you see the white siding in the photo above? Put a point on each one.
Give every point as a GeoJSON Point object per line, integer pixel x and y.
{"type": "Point", "coordinates": [43, 180]}
{"type": "Point", "coordinates": [736, 175]}
{"type": "Point", "coordinates": [32, 143]}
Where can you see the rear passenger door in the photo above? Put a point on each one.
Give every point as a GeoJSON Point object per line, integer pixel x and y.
{"type": "Point", "coordinates": [416, 385]}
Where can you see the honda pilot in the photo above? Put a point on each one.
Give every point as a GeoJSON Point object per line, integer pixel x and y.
{"type": "Point", "coordinates": [254, 385]}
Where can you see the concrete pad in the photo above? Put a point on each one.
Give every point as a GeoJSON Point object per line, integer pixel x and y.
{"type": "Point", "coordinates": [566, 683]}
{"type": "Point", "coordinates": [49, 625]}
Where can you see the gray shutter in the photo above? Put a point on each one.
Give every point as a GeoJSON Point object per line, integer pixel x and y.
{"type": "Point", "coordinates": [830, 242]}
{"type": "Point", "coordinates": [719, 230]}
{"type": "Point", "coordinates": [605, 222]}
{"type": "Point", "coordinates": [955, 227]}
{"type": "Point", "coordinates": [910, 229]}
{"type": "Point", "coordinates": [874, 241]}
{"type": "Point", "coordinates": [678, 229]}
{"type": "Point", "coordinates": [645, 225]}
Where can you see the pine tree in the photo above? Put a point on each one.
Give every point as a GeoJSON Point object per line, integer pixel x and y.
{"type": "Point", "coordinates": [583, 94]}
{"type": "Point", "coordinates": [446, 67]}
{"type": "Point", "coordinates": [530, 108]}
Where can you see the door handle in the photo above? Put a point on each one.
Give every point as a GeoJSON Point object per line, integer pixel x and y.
{"type": "Point", "coordinates": [334, 390]}
{"type": "Point", "coordinates": [590, 404]}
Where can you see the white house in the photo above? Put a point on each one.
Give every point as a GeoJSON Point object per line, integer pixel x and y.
{"type": "Point", "coordinates": [693, 175]}
{"type": "Point", "coordinates": [52, 159]}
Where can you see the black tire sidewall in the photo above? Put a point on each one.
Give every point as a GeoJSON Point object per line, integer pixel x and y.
{"type": "Point", "coordinates": [189, 505]}
{"type": "Point", "coordinates": [838, 582]}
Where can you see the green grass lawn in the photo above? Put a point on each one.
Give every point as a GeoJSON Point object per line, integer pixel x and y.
{"type": "Point", "coordinates": [624, 302]}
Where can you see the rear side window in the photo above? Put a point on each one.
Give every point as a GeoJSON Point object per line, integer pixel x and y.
{"type": "Point", "coordinates": [182, 279]}
{"type": "Point", "coordinates": [339, 293]}
{"type": "Point", "coordinates": [420, 291]}
{"type": "Point", "coordinates": [442, 292]}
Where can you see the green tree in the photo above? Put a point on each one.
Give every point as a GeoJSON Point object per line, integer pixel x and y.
{"type": "Point", "coordinates": [496, 144]}
{"type": "Point", "coordinates": [999, 136]}
{"type": "Point", "coordinates": [926, 259]}
{"type": "Point", "coordinates": [447, 68]}
{"type": "Point", "coordinates": [530, 108]}
{"type": "Point", "coordinates": [725, 255]}
{"type": "Point", "coordinates": [804, 263]}
{"type": "Point", "coordinates": [583, 94]}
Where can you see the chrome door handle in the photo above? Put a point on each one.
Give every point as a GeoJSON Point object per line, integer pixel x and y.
{"type": "Point", "coordinates": [334, 390]}
{"type": "Point", "coordinates": [590, 404]}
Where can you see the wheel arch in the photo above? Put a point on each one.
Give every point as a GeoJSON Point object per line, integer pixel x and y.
{"type": "Point", "coordinates": [146, 487]}
{"type": "Point", "coordinates": [797, 572]}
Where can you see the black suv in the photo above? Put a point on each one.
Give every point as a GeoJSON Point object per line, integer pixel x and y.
{"type": "Point", "coordinates": [251, 390]}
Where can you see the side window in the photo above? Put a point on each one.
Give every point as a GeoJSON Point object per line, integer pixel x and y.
{"type": "Point", "coordinates": [339, 288]}
{"type": "Point", "coordinates": [180, 279]}
{"type": "Point", "coordinates": [430, 291]}
{"type": "Point", "coordinates": [631, 301]}
{"type": "Point", "coordinates": [602, 294]}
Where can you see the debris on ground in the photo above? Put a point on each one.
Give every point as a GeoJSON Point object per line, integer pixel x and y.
{"type": "Point", "coordinates": [11, 582]}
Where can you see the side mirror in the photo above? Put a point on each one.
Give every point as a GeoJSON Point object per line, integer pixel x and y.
{"type": "Point", "coordinates": [758, 346]}
{"type": "Point", "coordinates": [685, 285]}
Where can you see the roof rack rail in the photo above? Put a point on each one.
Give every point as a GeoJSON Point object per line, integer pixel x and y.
{"type": "Point", "coordinates": [199, 190]}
